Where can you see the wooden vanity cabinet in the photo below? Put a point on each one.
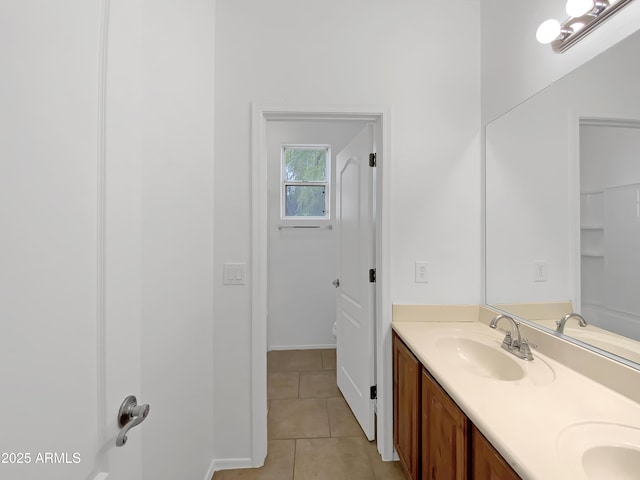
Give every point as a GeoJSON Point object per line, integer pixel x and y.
{"type": "Point", "coordinates": [488, 464]}
{"type": "Point", "coordinates": [444, 434]}
{"type": "Point", "coordinates": [433, 437]}
{"type": "Point", "coordinates": [406, 407]}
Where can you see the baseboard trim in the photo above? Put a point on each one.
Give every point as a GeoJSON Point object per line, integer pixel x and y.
{"type": "Point", "coordinates": [228, 464]}
{"type": "Point", "coordinates": [211, 471]}
{"type": "Point", "coordinates": [300, 347]}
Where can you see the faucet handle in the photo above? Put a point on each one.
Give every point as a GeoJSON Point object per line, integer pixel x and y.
{"type": "Point", "coordinates": [507, 341]}
{"type": "Point", "coordinates": [525, 350]}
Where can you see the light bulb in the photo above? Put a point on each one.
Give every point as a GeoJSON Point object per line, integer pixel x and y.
{"type": "Point", "coordinates": [576, 27]}
{"type": "Point", "coordinates": [548, 31]}
{"type": "Point", "coordinates": [577, 8]}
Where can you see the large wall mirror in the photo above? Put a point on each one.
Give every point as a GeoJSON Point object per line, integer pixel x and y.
{"type": "Point", "coordinates": [563, 205]}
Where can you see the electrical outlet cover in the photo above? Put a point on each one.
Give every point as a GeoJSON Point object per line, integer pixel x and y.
{"type": "Point", "coordinates": [421, 272]}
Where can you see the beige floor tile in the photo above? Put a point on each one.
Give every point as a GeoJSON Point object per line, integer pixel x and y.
{"type": "Point", "coordinates": [298, 418]}
{"type": "Point", "coordinates": [294, 360]}
{"type": "Point", "coordinates": [282, 385]}
{"type": "Point", "coordinates": [384, 470]}
{"type": "Point", "coordinates": [328, 359]}
{"type": "Point", "coordinates": [300, 447]}
{"type": "Point", "coordinates": [332, 459]}
{"type": "Point", "coordinates": [342, 423]}
{"type": "Point", "coordinates": [277, 466]}
{"type": "Point", "coordinates": [388, 471]}
{"type": "Point", "coordinates": [318, 384]}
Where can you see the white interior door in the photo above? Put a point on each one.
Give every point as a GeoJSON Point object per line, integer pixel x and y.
{"type": "Point", "coordinates": [355, 293]}
{"type": "Point", "coordinates": [69, 249]}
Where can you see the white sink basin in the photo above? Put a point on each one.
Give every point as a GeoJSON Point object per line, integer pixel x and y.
{"type": "Point", "coordinates": [481, 356]}
{"type": "Point", "coordinates": [608, 461]}
{"type": "Point", "coordinates": [602, 450]}
{"type": "Point", "coordinates": [481, 359]}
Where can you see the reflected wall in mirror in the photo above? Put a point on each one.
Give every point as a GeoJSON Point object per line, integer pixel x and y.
{"type": "Point", "coordinates": [563, 204]}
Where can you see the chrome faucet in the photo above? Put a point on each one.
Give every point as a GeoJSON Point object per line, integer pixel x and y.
{"type": "Point", "coordinates": [514, 344]}
{"type": "Point", "coordinates": [560, 323]}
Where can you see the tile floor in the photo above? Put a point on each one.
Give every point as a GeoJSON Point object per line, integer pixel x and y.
{"type": "Point", "coordinates": [312, 432]}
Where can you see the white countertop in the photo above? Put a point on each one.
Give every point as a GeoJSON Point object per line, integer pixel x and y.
{"type": "Point", "coordinates": [536, 423]}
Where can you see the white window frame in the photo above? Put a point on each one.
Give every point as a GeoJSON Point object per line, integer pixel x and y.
{"type": "Point", "coordinates": [285, 183]}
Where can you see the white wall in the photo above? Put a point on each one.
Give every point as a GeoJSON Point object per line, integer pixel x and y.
{"type": "Point", "coordinates": [177, 237]}
{"type": "Point", "coordinates": [515, 66]}
{"type": "Point", "coordinates": [528, 208]}
{"type": "Point", "coordinates": [301, 263]}
{"type": "Point", "coordinates": [406, 55]}
{"type": "Point", "coordinates": [609, 155]}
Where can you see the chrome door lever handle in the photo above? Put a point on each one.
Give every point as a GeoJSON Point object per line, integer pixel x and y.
{"type": "Point", "coordinates": [130, 415]}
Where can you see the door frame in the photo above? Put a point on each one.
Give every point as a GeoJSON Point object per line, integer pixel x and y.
{"type": "Point", "coordinates": [260, 115]}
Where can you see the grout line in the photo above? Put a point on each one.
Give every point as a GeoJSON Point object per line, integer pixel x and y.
{"type": "Point", "coordinates": [370, 458]}
{"type": "Point", "coordinates": [326, 402]}
{"type": "Point", "coordinates": [295, 454]}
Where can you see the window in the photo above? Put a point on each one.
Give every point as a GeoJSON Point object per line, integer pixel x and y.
{"type": "Point", "coordinates": [305, 181]}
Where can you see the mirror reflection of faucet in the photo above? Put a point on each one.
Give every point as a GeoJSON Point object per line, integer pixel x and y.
{"type": "Point", "coordinates": [560, 323]}
{"type": "Point", "coordinates": [518, 346]}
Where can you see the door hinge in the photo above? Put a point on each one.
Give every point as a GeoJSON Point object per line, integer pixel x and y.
{"type": "Point", "coordinates": [372, 275]}
{"type": "Point", "coordinates": [372, 159]}
{"type": "Point", "coordinates": [373, 392]}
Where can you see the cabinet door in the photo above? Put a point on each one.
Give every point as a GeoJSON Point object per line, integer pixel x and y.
{"type": "Point", "coordinates": [488, 464]}
{"type": "Point", "coordinates": [406, 404]}
{"type": "Point", "coordinates": [444, 434]}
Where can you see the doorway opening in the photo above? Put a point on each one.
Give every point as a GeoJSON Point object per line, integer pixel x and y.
{"type": "Point", "coordinates": [608, 213]}
{"type": "Point", "coordinates": [302, 250]}
{"type": "Point", "coordinates": [264, 118]}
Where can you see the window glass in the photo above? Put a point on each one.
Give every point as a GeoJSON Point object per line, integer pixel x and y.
{"type": "Point", "coordinates": [305, 165]}
{"type": "Point", "coordinates": [305, 181]}
{"type": "Point", "coordinates": [304, 201]}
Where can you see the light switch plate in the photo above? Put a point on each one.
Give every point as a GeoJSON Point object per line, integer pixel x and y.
{"type": "Point", "coordinates": [234, 274]}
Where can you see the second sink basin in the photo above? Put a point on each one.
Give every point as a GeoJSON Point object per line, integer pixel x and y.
{"type": "Point", "coordinates": [607, 461]}
{"type": "Point", "coordinates": [602, 450]}
{"type": "Point", "coordinates": [482, 359]}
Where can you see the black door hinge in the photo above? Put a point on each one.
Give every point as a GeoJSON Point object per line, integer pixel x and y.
{"type": "Point", "coordinates": [373, 392]}
{"type": "Point", "coordinates": [372, 275]}
{"type": "Point", "coordinates": [372, 159]}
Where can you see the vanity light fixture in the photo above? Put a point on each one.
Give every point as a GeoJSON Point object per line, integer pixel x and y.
{"type": "Point", "coordinates": [584, 16]}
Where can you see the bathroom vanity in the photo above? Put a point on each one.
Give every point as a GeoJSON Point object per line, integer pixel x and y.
{"type": "Point", "coordinates": [464, 407]}
{"type": "Point", "coordinates": [433, 437]}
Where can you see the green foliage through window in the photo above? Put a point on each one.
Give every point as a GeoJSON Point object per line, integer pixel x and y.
{"type": "Point", "coordinates": [304, 201]}
{"type": "Point", "coordinates": [305, 165]}
{"type": "Point", "coordinates": [305, 172]}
